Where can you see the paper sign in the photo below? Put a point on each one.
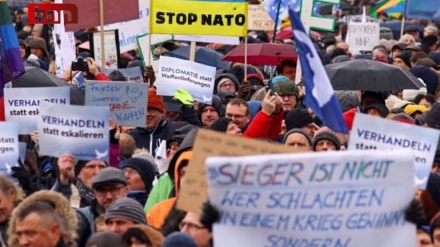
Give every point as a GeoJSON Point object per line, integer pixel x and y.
{"type": "Point", "coordinates": [209, 143]}
{"type": "Point", "coordinates": [209, 39]}
{"type": "Point", "coordinates": [8, 146]}
{"type": "Point", "coordinates": [259, 19]}
{"type": "Point", "coordinates": [22, 105]}
{"type": "Point", "coordinates": [147, 49]}
{"type": "Point", "coordinates": [82, 131]}
{"type": "Point", "coordinates": [351, 198]}
{"type": "Point", "coordinates": [110, 46]}
{"type": "Point", "coordinates": [197, 79]}
{"type": "Point", "coordinates": [362, 36]}
{"type": "Point", "coordinates": [133, 74]}
{"type": "Point", "coordinates": [381, 134]}
{"type": "Point", "coordinates": [127, 101]}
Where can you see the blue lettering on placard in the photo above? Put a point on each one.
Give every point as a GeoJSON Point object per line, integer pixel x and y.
{"type": "Point", "coordinates": [282, 241]}
{"type": "Point", "coordinates": [35, 102]}
{"type": "Point", "coordinates": [107, 88]}
{"type": "Point", "coordinates": [78, 123]}
{"type": "Point", "coordinates": [105, 99]}
{"type": "Point", "coordinates": [370, 220]}
{"type": "Point", "coordinates": [130, 116]}
{"type": "Point", "coordinates": [371, 169]}
{"type": "Point", "coordinates": [240, 199]}
{"type": "Point", "coordinates": [393, 140]}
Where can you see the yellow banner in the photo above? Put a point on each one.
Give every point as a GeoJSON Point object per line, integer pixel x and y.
{"type": "Point", "coordinates": [224, 18]}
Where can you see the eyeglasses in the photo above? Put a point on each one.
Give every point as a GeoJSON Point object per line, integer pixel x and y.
{"type": "Point", "coordinates": [113, 191]}
{"type": "Point", "coordinates": [228, 85]}
{"type": "Point", "coordinates": [228, 115]}
{"type": "Point", "coordinates": [190, 226]}
{"type": "Point", "coordinates": [128, 171]}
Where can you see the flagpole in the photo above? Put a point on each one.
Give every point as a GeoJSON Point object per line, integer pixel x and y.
{"type": "Point", "coordinates": [101, 23]}
{"type": "Point", "coordinates": [276, 21]}
{"type": "Point", "coordinates": [245, 57]}
{"type": "Point", "coordinates": [402, 26]}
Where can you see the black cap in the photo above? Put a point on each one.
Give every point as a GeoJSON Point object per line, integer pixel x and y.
{"type": "Point", "coordinates": [400, 46]}
{"type": "Point", "coordinates": [297, 118]}
{"type": "Point", "coordinates": [411, 28]}
{"type": "Point", "coordinates": [432, 118]}
{"type": "Point", "coordinates": [108, 176]}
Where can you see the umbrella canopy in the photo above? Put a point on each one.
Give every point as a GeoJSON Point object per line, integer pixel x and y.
{"type": "Point", "coordinates": [396, 25]}
{"type": "Point", "coordinates": [370, 75]}
{"type": "Point", "coordinates": [262, 54]}
{"type": "Point", "coordinates": [204, 56]}
{"type": "Point", "coordinates": [36, 77]}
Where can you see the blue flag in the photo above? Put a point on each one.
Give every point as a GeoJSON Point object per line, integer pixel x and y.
{"type": "Point", "coordinates": [422, 9]}
{"type": "Point", "coordinates": [319, 92]}
{"type": "Point", "coordinates": [271, 7]}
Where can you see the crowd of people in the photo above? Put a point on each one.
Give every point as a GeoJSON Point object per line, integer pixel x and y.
{"type": "Point", "coordinates": [131, 200]}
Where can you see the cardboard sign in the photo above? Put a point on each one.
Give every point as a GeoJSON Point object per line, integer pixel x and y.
{"type": "Point", "coordinates": [362, 36]}
{"type": "Point", "coordinates": [127, 101]}
{"type": "Point", "coordinates": [82, 131]}
{"type": "Point", "coordinates": [197, 79]}
{"type": "Point", "coordinates": [194, 189]}
{"type": "Point", "coordinates": [133, 74]}
{"type": "Point", "coordinates": [22, 105]}
{"type": "Point", "coordinates": [381, 134]}
{"type": "Point", "coordinates": [259, 19]}
{"type": "Point", "coordinates": [351, 198]}
{"type": "Point", "coordinates": [211, 17]}
{"type": "Point", "coordinates": [9, 150]}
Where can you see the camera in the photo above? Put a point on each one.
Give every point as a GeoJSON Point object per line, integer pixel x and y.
{"type": "Point", "coordinates": [80, 65]}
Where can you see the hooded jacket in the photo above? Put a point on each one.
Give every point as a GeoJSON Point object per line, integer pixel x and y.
{"type": "Point", "coordinates": [60, 204]}
{"type": "Point", "coordinates": [216, 103]}
{"type": "Point", "coordinates": [156, 238]}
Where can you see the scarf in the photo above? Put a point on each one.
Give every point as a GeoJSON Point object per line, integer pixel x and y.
{"type": "Point", "coordinates": [85, 192]}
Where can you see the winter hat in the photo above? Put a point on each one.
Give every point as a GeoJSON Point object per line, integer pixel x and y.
{"type": "Point", "coordinates": [429, 40]}
{"type": "Point", "coordinates": [277, 79]}
{"type": "Point", "coordinates": [403, 118]}
{"type": "Point", "coordinates": [405, 56]}
{"type": "Point", "coordinates": [178, 239]}
{"type": "Point", "coordinates": [432, 118]}
{"type": "Point", "coordinates": [300, 131]}
{"type": "Point", "coordinates": [79, 166]}
{"type": "Point", "coordinates": [286, 88]}
{"type": "Point", "coordinates": [428, 76]}
{"type": "Point", "coordinates": [383, 110]}
{"type": "Point", "coordinates": [104, 239]}
{"type": "Point", "coordinates": [399, 46]}
{"type": "Point", "coordinates": [255, 79]}
{"type": "Point", "coordinates": [338, 52]}
{"type": "Point", "coordinates": [297, 118]}
{"type": "Point", "coordinates": [224, 77]}
{"type": "Point", "coordinates": [109, 175]}
{"type": "Point", "coordinates": [155, 101]}
{"type": "Point", "coordinates": [411, 109]}
{"type": "Point", "coordinates": [220, 125]}
{"type": "Point", "coordinates": [216, 103]}
{"type": "Point", "coordinates": [326, 136]}
{"type": "Point", "coordinates": [145, 168]}
{"type": "Point", "coordinates": [144, 154]}
{"type": "Point", "coordinates": [435, 56]}
{"type": "Point", "coordinates": [38, 43]}
{"type": "Point", "coordinates": [126, 208]}
{"type": "Point", "coordinates": [347, 100]}
{"type": "Point", "coordinates": [349, 117]}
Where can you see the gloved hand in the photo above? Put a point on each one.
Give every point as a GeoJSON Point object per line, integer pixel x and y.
{"type": "Point", "coordinates": [184, 97]}
{"type": "Point", "coordinates": [149, 75]}
{"type": "Point", "coordinates": [244, 90]}
{"type": "Point", "coordinates": [24, 179]}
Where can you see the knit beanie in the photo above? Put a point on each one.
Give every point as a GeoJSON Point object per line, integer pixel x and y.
{"type": "Point", "coordinates": [406, 57]}
{"type": "Point", "coordinates": [381, 108]}
{"type": "Point", "coordinates": [155, 101]}
{"type": "Point", "coordinates": [104, 239]}
{"type": "Point", "coordinates": [178, 239]}
{"type": "Point", "coordinates": [326, 136]}
{"type": "Point", "coordinates": [347, 99]}
{"type": "Point", "coordinates": [300, 131]}
{"type": "Point", "coordinates": [126, 208]}
{"type": "Point", "coordinates": [297, 118]}
{"type": "Point", "coordinates": [145, 168]}
{"type": "Point", "coordinates": [220, 125]}
{"type": "Point", "coordinates": [79, 166]}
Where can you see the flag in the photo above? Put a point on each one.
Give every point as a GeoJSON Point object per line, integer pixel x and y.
{"type": "Point", "coordinates": [271, 7]}
{"type": "Point", "coordinates": [422, 10]}
{"type": "Point", "coordinates": [11, 64]}
{"type": "Point", "coordinates": [320, 96]}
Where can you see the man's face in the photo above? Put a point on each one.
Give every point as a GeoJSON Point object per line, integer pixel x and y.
{"type": "Point", "coordinates": [233, 129]}
{"type": "Point", "coordinates": [34, 231]}
{"type": "Point", "coordinates": [7, 204]}
{"type": "Point", "coordinates": [228, 86]}
{"type": "Point", "coordinates": [209, 115]}
{"type": "Point", "coordinates": [153, 117]}
{"type": "Point", "coordinates": [289, 72]}
{"type": "Point", "coordinates": [238, 114]}
{"type": "Point", "coordinates": [436, 237]}
{"type": "Point", "coordinates": [37, 52]}
{"type": "Point", "coordinates": [288, 102]}
{"type": "Point", "coordinates": [89, 171]}
{"type": "Point", "coordinates": [399, 62]}
{"type": "Point", "coordinates": [298, 142]}
{"type": "Point", "coordinates": [119, 225]}
{"type": "Point", "coordinates": [107, 194]}
{"type": "Point", "coordinates": [396, 52]}
{"type": "Point", "coordinates": [378, 54]}
{"type": "Point", "coordinates": [343, 46]}
{"type": "Point", "coordinates": [311, 129]}
{"type": "Point", "coordinates": [134, 179]}
{"type": "Point", "coordinates": [423, 239]}
{"type": "Point", "coordinates": [192, 226]}
{"type": "Point", "coordinates": [325, 145]}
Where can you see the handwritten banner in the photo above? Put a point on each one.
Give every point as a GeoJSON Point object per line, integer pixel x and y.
{"type": "Point", "coordinates": [22, 105]}
{"type": "Point", "coordinates": [133, 74]}
{"type": "Point", "coordinates": [197, 79]}
{"type": "Point", "coordinates": [380, 134]}
{"type": "Point", "coordinates": [82, 131]}
{"type": "Point", "coordinates": [127, 101]}
{"type": "Point", "coordinates": [211, 17]}
{"type": "Point", "coordinates": [9, 151]}
{"type": "Point", "coordinates": [194, 189]}
{"type": "Point", "coordinates": [259, 19]}
{"type": "Point", "coordinates": [362, 36]}
{"type": "Point", "coordinates": [352, 198]}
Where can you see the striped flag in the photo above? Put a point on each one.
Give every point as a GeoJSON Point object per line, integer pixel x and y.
{"type": "Point", "coordinates": [11, 64]}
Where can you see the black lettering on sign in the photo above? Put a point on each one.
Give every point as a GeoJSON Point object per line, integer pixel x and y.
{"type": "Point", "coordinates": [204, 19]}
{"type": "Point", "coordinates": [181, 19]}
{"type": "Point", "coordinates": [160, 18]}
{"type": "Point", "coordinates": [170, 17]}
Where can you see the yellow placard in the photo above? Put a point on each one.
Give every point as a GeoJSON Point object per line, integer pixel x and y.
{"type": "Point", "coordinates": [224, 18]}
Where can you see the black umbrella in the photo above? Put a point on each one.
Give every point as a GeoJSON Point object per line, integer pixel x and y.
{"type": "Point", "coordinates": [36, 77]}
{"type": "Point", "coordinates": [203, 55]}
{"type": "Point", "coordinates": [370, 75]}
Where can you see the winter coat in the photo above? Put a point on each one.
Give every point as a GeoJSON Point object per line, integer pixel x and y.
{"type": "Point", "coordinates": [86, 221]}
{"type": "Point", "coordinates": [161, 191]}
{"type": "Point", "coordinates": [264, 126]}
{"type": "Point", "coordinates": [156, 238]}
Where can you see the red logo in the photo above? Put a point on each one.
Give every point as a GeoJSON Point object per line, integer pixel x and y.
{"type": "Point", "coordinates": [43, 13]}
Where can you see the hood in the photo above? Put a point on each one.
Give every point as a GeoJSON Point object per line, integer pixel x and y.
{"type": "Point", "coordinates": [230, 76]}
{"type": "Point", "coordinates": [156, 238]}
{"type": "Point", "coordinates": [62, 206]}
{"type": "Point", "coordinates": [216, 103]}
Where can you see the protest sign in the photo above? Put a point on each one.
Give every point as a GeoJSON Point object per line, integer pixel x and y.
{"type": "Point", "coordinates": [129, 30]}
{"type": "Point", "coordinates": [194, 189]}
{"type": "Point", "coordinates": [22, 151]}
{"type": "Point", "coordinates": [9, 151]}
{"type": "Point", "coordinates": [111, 46]}
{"type": "Point", "coordinates": [82, 131]}
{"type": "Point", "coordinates": [352, 198]}
{"type": "Point", "coordinates": [22, 105]}
{"type": "Point", "coordinates": [133, 74]}
{"type": "Point", "coordinates": [209, 39]}
{"type": "Point", "coordinates": [259, 19]}
{"type": "Point", "coordinates": [210, 17]}
{"type": "Point", "coordinates": [362, 36]}
{"type": "Point", "coordinates": [197, 79]}
{"type": "Point", "coordinates": [381, 134]}
{"type": "Point", "coordinates": [147, 49]}
{"type": "Point", "coordinates": [127, 101]}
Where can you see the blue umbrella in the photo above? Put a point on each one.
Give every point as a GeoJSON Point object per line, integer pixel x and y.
{"type": "Point", "coordinates": [396, 25]}
{"type": "Point", "coordinates": [203, 55]}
